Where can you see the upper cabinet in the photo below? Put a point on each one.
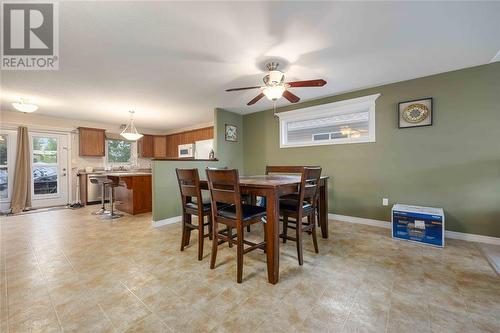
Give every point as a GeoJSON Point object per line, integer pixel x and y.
{"type": "Point", "coordinates": [166, 146]}
{"type": "Point", "coordinates": [159, 146]}
{"type": "Point", "coordinates": [92, 141]}
{"type": "Point", "coordinates": [145, 146]}
{"type": "Point", "coordinates": [174, 140]}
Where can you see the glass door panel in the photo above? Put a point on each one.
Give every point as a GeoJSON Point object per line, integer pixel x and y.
{"type": "Point", "coordinates": [49, 165]}
{"type": "Point", "coordinates": [4, 167]}
{"type": "Point", "coordinates": [45, 165]}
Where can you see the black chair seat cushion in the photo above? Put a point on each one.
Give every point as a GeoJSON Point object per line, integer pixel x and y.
{"type": "Point", "coordinates": [293, 205]}
{"type": "Point", "coordinates": [248, 212]}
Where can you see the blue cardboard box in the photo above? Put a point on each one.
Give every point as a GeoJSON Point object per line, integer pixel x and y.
{"type": "Point", "coordinates": [418, 224]}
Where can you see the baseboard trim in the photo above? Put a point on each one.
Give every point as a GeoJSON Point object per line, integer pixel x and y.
{"type": "Point", "coordinates": [360, 220]}
{"type": "Point", "coordinates": [472, 237]}
{"type": "Point", "coordinates": [170, 220]}
{"type": "Point", "coordinates": [387, 225]}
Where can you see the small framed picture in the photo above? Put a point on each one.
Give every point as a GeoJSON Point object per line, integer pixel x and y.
{"type": "Point", "coordinates": [231, 133]}
{"type": "Point", "coordinates": [416, 113]}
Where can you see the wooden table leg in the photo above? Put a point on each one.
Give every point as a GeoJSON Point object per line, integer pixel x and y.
{"type": "Point", "coordinates": [323, 208]}
{"type": "Point", "coordinates": [272, 239]}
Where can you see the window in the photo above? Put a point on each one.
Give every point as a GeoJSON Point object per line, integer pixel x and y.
{"type": "Point", "coordinates": [118, 151]}
{"type": "Point", "coordinates": [4, 170]}
{"type": "Point", "coordinates": [349, 121]}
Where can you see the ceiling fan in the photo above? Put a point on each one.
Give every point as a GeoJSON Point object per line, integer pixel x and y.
{"type": "Point", "coordinates": [276, 87]}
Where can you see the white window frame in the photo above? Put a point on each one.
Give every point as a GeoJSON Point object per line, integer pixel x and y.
{"type": "Point", "coordinates": [365, 103]}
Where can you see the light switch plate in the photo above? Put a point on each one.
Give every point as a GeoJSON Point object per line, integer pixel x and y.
{"type": "Point", "coordinates": [385, 202]}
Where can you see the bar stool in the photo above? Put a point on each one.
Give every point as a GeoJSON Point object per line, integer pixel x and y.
{"type": "Point", "coordinates": [100, 181]}
{"type": "Point", "coordinates": [112, 183]}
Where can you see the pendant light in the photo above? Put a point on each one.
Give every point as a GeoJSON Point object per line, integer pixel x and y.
{"type": "Point", "coordinates": [130, 132]}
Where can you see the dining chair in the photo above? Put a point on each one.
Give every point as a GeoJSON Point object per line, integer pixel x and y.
{"type": "Point", "coordinates": [248, 199]}
{"type": "Point", "coordinates": [303, 206]}
{"type": "Point", "coordinates": [224, 189]}
{"type": "Point", "coordinates": [189, 186]}
{"type": "Point", "coordinates": [292, 170]}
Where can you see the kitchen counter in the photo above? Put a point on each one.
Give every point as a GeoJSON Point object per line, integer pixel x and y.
{"type": "Point", "coordinates": [116, 173]}
{"type": "Point", "coordinates": [133, 194]}
{"type": "Point", "coordinates": [124, 173]}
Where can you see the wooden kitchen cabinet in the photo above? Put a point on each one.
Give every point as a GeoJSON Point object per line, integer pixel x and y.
{"type": "Point", "coordinates": [92, 141]}
{"type": "Point", "coordinates": [134, 195]}
{"type": "Point", "coordinates": [146, 146]}
{"type": "Point", "coordinates": [159, 146]}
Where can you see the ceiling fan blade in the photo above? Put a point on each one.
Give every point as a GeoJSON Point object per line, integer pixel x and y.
{"type": "Point", "coordinates": [291, 97]}
{"type": "Point", "coordinates": [245, 88]}
{"type": "Point", "coordinates": [256, 99]}
{"type": "Point", "coordinates": [308, 83]}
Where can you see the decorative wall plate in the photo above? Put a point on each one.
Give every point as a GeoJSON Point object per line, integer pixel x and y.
{"type": "Point", "coordinates": [415, 113]}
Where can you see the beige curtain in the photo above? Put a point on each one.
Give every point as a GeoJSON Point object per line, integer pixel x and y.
{"type": "Point", "coordinates": [21, 193]}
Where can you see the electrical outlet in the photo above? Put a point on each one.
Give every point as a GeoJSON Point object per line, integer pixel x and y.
{"type": "Point", "coordinates": [385, 202]}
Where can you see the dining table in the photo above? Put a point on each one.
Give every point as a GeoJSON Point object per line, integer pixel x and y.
{"type": "Point", "coordinates": [272, 187]}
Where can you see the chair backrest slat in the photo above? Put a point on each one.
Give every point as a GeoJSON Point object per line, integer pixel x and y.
{"type": "Point", "coordinates": [224, 186]}
{"type": "Point", "coordinates": [309, 185]}
{"type": "Point", "coordinates": [285, 169]}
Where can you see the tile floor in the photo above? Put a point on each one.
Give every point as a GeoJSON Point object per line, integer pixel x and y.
{"type": "Point", "coordinates": [69, 271]}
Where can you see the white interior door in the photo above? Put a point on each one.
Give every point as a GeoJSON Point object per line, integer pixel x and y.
{"type": "Point", "coordinates": [49, 169]}
{"type": "Point", "coordinates": [8, 147]}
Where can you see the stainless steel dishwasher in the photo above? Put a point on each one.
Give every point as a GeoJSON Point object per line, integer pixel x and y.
{"type": "Point", "coordinates": [94, 191]}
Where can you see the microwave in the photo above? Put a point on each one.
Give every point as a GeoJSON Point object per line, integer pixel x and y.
{"type": "Point", "coordinates": [186, 151]}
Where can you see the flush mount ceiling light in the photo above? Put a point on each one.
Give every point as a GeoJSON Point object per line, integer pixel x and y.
{"type": "Point", "coordinates": [25, 106]}
{"type": "Point", "coordinates": [130, 132]}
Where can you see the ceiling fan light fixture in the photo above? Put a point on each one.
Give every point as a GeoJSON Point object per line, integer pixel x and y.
{"type": "Point", "coordinates": [274, 92]}
{"type": "Point", "coordinates": [24, 106]}
{"type": "Point", "coordinates": [345, 130]}
{"type": "Point", "coordinates": [130, 132]}
{"type": "Point", "coordinates": [276, 77]}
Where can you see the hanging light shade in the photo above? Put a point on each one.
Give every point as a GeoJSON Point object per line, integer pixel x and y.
{"type": "Point", "coordinates": [274, 92]}
{"type": "Point", "coordinates": [25, 106]}
{"type": "Point", "coordinates": [130, 132]}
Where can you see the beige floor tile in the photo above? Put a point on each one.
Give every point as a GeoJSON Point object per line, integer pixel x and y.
{"type": "Point", "coordinates": [72, 270]}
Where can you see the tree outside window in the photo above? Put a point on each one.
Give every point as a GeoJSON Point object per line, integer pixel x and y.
{"type": "Point", "coordinates": [119, 151]}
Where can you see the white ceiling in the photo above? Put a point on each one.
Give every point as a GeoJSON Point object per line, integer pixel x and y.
{"type": "Point", "coordinates": [171, 61]}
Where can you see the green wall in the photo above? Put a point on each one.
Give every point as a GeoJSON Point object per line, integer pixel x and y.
{"type": "Point", "coordinates": [454, 164]}
{"type": "Point", "coordinates": [166, 197]}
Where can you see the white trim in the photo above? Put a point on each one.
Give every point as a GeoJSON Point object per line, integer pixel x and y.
{"type": "Point", "coordinates": [365, 103]}
{"type": "Point", "coordinates": [171, 220]}
{"type": "Point", "coordinates": [496, 57]}
{"type": "Point", "coordinates": [472, 237]}
{"type": "Point", "coordinates": [360, 220]}
{"type": "Point", "coordinates": [387, 225]}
